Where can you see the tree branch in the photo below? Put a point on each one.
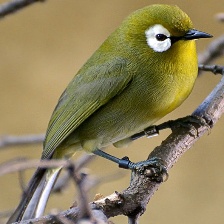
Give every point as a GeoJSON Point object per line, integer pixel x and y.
{"type": "Point", "coordinates": [24, 164]}
{"type": "Point", "coordinates": [15, 5]}
{"type": "Point", "coordinates": [20, 164]}
{"type": "Point", "coordinates": [12, 140]}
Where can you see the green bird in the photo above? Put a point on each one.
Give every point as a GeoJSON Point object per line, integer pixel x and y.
{"type": "Point", "coordinates": [144, 70]}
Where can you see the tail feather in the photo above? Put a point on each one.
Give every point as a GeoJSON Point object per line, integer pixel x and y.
{"type": "Point", "coordinates": [34, 200]}
{"type": "Point", "coordinates": [33, 203]}
{"type": "Point", "coordinates": [46, 192]}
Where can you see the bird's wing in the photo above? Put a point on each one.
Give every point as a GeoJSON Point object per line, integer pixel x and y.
{"type": "Point", "coordinates": [88, 91]}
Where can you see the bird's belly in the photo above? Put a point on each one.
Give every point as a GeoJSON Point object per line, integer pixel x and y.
{"type": "Point", "coordinates": [125, 116]}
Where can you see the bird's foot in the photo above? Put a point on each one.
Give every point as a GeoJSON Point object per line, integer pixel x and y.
{"type": "Point", "coordinates": [153, 168]}
{"type": "Point", "coordinates": [188, 121]}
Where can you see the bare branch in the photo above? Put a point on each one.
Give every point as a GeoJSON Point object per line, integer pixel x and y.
{"type": "Point", "coordinates": [79, 179]}
{"type": "Point", "coordinates": [215, 69]}
{"type": "Point", "coordinates": [62, 181]}
{"type": "Point", "coordinates": [24, 164]}
{"type": "Point", "coordinates": [15, 5]}
{"type": "Point", "coordinates": [20, 164]}
{"type": "Point", "coordinates": [12, 140]}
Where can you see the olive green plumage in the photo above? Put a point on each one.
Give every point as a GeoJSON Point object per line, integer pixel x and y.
{"type": "Point", "coordinates": [125, 86]}
{"type": "Point", "coordinates": [144, 70]}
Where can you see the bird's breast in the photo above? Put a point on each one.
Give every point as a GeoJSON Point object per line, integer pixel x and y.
{"type": "Point", "coordinates": [155, 90]}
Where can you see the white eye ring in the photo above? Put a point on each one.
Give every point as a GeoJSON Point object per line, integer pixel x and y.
{"type": "Point", "coordinates": [157, 38]}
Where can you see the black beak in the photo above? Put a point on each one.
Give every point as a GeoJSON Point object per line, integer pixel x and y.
{"type": "Point", "coordinates": [195, 34]}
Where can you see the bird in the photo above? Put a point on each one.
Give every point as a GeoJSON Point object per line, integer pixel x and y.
{"type": "Point", "coordinates": [144, 70]}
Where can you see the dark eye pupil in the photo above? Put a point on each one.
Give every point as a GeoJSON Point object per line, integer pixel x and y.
{"type": "Point", "coordinates": [161, 37]}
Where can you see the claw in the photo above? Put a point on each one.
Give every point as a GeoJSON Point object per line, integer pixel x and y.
{"type": "Point", "coordinates": [153, 174]}
{"type": "Point", "coordinates": [185, 122]}
{"type": "Point", "coordinates": [153, 168]}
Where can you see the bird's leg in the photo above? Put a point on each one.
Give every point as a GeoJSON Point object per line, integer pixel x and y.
{"type": "Point", "coordinates": [149, 132]}
{"type": "Point", "coordinates": [154, 130]}
{"type": "Point", "coordinates": [154, 168]}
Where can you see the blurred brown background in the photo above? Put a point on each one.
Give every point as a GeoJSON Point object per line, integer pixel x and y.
{"type": "Point", "coordinates": [41, 49]}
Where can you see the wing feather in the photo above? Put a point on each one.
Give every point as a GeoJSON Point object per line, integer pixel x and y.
{"type": "Point", "coordinates": [90, 89]}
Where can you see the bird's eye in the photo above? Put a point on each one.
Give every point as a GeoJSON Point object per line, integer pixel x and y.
{"type": "Point", "coordinates": [161, 37]}
{"type": "Point", "coordinates": [158, 38]}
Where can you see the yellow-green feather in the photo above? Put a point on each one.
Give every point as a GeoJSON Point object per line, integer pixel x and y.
{"type": "Point", "coordinates": [125, 86]}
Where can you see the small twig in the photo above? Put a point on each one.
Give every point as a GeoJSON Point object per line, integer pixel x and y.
{"type": "Point", "coordinates": [83, 160]}
{"type": "Point", "coordinates": [12, 140]}
{"type": "Point", "coordinates": [21, 164]}
{"type": "Point", "coordinates": [212, 68]}
{"type": "Point", "coordinates": [15, 5]}
{"type": "Point", "coordinates": [62, 181]}
{"type": "Point", "coordinates": [79, 179]}
{"type": "Point", "coordinates": [24, 164]}
{"type": "Point", "coordinates": [61, 220]}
